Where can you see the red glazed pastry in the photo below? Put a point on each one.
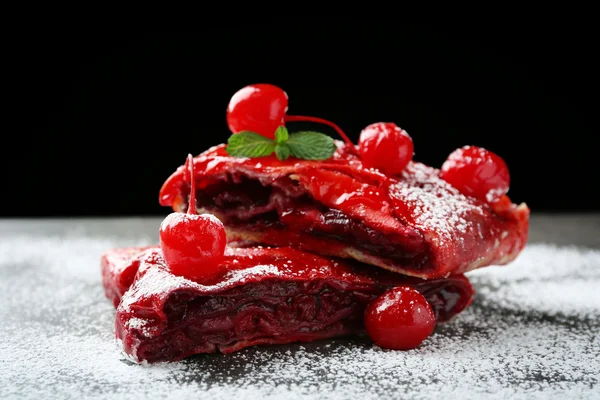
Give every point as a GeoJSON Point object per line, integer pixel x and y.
{"type": "Point", "coordinates": [119, 267]}
{"type": "Point", "coordinates": [265, 296]}
{"type": "Point", "coordinates": [330, 208]}
{"type": "Point", "coordinates": [414, 223]}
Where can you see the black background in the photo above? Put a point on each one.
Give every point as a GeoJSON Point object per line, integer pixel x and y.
{"type": "Point", "coordinates": [103, 118]}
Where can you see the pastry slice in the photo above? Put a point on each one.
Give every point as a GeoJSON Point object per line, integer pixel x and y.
{"type": "Point", "coordinates": [413, 223]}
{"type": "Point", "coordinates": [265, 296]}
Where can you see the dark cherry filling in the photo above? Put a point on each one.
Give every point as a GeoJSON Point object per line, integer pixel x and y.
{"type": "Point", "coordinates": [245, 203]}
{"type": "Point", "coordinates": [274, 312]}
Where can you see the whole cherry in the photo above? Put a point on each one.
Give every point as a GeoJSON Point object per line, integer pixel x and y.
{"type": "Point", "coordinates": [258, 108]}
{"type": "Point", "coordinates": [399, 319]}
{"type": "Point", "coordinates": [385, 146]}
{"type": "Point", "coordinates": [262, 108]}
{"type": "Point", "coordinates": [193, 245]}
{"type": "Point", "coordinates": [477, 172]}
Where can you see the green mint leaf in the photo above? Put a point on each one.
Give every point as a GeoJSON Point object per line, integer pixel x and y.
{"type": "Point", "coordinates": [282, 151]}
{"type": "Point", "coordinates": [311, 145]}
{"type": "Point", "coordinates": [249, 144]}
{"type": "Point", "coordinates": [281, 134]}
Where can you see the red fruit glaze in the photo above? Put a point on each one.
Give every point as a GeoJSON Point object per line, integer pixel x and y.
{"type": "Point", "coordinates": [257, 108]}
{"type": "Point", "coordinates": [399, 319]}
{"type": "Point", "coordinates": [477, 172]}
{"type": "Point", "coordinates": [193, 245]}
{"type": "Point", "coordinates": [385, 146]}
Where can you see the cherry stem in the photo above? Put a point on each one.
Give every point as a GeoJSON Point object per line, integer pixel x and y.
{"type": "Point", "coordinates": [190, 165]}
{"type": "Point", "coordinates": [340, 132]}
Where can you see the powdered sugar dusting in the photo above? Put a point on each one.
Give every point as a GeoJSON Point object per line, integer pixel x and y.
{"type": "Point", "coordinates": [545, 278]}
{"type": "Point", "coordinates": [243, 275]}
{"type": "Point", "coordinates": [532, 333]}
{"type": "Point", "coordinates": [438, 206]}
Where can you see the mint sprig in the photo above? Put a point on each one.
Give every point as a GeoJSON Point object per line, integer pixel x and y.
{"type": "Point", "coordinates": [250, 144]}
{"type": "Point", "coordinates": [311, 145]}
{"type": "Point", "coordinates": [305, 145]}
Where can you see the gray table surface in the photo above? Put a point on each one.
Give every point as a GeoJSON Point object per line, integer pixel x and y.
{"type": "Point", "coordinates": [532, 331]}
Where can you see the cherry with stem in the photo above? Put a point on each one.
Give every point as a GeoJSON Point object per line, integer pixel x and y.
{"type": "Point", "coordinates": [262, 108]}
{"type": "Point", "coordinates": [193, 244]}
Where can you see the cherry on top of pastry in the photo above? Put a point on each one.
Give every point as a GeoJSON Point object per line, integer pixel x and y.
{"type": "Point", "coordinates": [385, 146]}
{"type": "Point", "coordinates": [262, 108]}
{"type": "Point", "coordinates": [477, 172]}
{"type": "Point", "coordinates": [399, 319]}
{"type": "Point", "coordinates": [258, 108]}
{"type": "Point", "coordinates": [193, 245]}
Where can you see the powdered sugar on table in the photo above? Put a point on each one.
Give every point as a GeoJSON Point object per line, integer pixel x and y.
{"type": "Point", "coordinates": [531, 333]}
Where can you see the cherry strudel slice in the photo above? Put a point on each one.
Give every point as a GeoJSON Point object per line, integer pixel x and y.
{"type": "Point", "coordinates": [414, 223]}
{"type": "Point", "coordinates": [266, 296]}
